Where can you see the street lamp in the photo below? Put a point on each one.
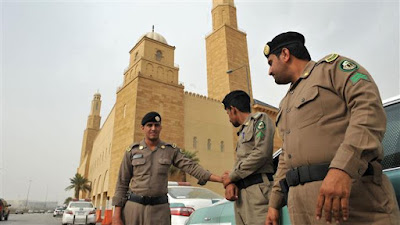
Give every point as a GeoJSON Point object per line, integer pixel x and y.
{"type": "Point", "coordinates": [29, 187]}
{"type": "Point", "coordinates": [247, 76]}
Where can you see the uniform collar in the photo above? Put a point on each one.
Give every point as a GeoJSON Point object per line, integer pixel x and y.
{"type": "Point", "coordinates": [246, 122]}
{"type": "Point", "coordinates": [305, 74]}
{"type": "Point", "coordinates": [143, 145]}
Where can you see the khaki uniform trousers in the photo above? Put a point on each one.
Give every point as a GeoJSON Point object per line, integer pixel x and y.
{"type": "Point", "coordinates": [252, 205]}
{"type": "Point", "coordinates": [369, 203]}
{"type": "Point", "coordinates": [138, 214]}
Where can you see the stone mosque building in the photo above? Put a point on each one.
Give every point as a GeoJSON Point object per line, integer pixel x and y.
{"type": "Point", "coordinates": [192, 121]}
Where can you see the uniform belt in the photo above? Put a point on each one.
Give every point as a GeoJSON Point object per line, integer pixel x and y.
{"type": "Point", "coordinates": [310, 173]}
{"type": "Point", "coordinates": [252, 179]}
{"type": "Point", "coordinates": [147, 200]}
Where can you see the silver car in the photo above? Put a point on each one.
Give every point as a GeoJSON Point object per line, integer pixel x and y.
{"type": "Point", "coordinates": [79, 212]}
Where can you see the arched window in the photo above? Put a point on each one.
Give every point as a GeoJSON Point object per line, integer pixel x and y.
{"type": "Point", "coordinates": [194, 142]}
{"type": "Point", "coordinates": [209, 144]}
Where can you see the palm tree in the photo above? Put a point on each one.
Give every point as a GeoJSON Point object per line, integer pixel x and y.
{"type": "Point", "coordinates": [67, 200]}
{"type": "Point", "coordinates": [173, 171]}
{"type": "Point", "coordinates": [79, 183]}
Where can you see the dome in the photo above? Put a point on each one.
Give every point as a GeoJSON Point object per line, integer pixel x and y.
{"type": "Point", "coordinates": [155, 36]}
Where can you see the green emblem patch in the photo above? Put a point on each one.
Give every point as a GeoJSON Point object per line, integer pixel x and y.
{"type": "Point", "coordinates": [358, 76]}
{"type": "Point", "coordinates": [260, 135]}
{"type": "Point", "coordinates": [261, 125]}
{"type": "Point", "coordinates": [348, 66]}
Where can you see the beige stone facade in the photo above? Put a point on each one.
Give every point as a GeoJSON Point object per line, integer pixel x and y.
{"type": "Point", "coordinates": [193, 122]}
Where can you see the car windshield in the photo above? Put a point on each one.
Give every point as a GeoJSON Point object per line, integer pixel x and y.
{"type": "Point", "coordinates": [81, 205]}
{"type": "Point", "coordinates": [192, 192]}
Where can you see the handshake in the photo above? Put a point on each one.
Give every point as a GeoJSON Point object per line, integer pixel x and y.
{"type": "Point", "coordinates": [231, 190]}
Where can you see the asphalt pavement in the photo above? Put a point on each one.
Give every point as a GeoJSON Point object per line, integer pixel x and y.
{"type": "Point", "coordinates": [33, 219]}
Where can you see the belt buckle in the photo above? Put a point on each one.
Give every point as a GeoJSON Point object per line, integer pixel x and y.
{"type": "Point", "coordinates": [146, 200]}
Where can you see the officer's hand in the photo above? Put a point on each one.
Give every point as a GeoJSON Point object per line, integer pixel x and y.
{"type": "Point", "coordinates": [272, 216]}
{"type": "Point", "coordinates": [117, 221]}
{"type": "Point", "coordinates": [225, 179]}
{"type": "Point", "coordinates": [231, 192]}
{"type": "Point", "coordinates": [334, 196]}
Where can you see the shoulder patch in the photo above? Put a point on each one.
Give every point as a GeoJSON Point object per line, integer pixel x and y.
{"type": "Point", "coordinates": [132, 146]}
{"type": "Point", "coordinates": [260, 125]}
{"type": "Point", "coordinates": [348, 65]}
{"type": "Point", "coordinates": [332, 57]}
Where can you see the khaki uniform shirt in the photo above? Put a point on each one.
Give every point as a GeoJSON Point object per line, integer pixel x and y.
{"type": "Point", "coordinates": [332, 114]}
{"type": "Point", "coordinates": [254, 147]}
{"type": "Point", "coordinates": [145, 172]}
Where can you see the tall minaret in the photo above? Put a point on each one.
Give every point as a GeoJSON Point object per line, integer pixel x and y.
{"type": "Point", "coordinates": [92, 128]}
{"type": "Point", "coordinates": [227, 51]}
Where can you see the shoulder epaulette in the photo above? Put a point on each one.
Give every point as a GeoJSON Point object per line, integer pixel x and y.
{"type": "Point", "coordinates": [173, 145]}
{"type": "Point", "coordinates": [332, 57]}
{"type": "Point", "coordinates": [329, 59]}
{"type": "Point", "coordinates": [257, 115]}
{"type": "Point", "coordinates": [132, 146]}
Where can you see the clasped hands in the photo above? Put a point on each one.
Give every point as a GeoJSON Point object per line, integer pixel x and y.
{"type": "Point", "coordinates": [231, 190]}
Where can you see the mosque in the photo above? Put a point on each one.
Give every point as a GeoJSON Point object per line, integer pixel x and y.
{"type": "Point", "coordinates": [192, 121]}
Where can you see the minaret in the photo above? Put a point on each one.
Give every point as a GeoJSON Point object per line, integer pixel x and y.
{"type": "Point", "coordinates": [92, 128]}
{"type": "Point", "coordinates": [226, 49]}
{"type": "Point", "coordinates": [150, 84]}
{"type": "Point", "coordinates": [94, 116]}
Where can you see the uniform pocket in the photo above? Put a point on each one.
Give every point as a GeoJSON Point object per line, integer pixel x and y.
{"type": "Point", "coordinates": [164, 165]}
{"type": "Point", "coordinates": [264, 190]}
{"type": "Point", "coordinates": [309, 109]}
{"type": "Point", "coordinates": [138, 166]}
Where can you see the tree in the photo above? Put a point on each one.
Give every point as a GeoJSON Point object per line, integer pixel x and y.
{"type": "Point", "coordinates": [173, 171]}
{"type": "Point", "coordinates": [67, 200]}
{"type": "Point", "coordinates": [78, 183]}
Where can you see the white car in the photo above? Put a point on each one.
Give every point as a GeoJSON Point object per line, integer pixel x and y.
{"type": "Point", "coordinates": [58, 211]}
{"type": "Point", "coordinates": [185, 199]}
{"type": "Point", "coordinates": [79, 212]}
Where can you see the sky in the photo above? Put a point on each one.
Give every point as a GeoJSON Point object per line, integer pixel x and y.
{"type": "Point", "coordinates": [55, 55]}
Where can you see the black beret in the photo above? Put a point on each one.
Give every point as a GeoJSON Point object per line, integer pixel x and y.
{"type": "Point", "coordinates": [151, 117]}
{"type": "Point", "coordinates": [283, 40]}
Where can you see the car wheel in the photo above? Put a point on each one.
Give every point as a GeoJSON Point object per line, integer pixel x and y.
{"type": "Point", "coordinates": [1, 216]}
{"type": "Point", "coordinates": [54, 215]}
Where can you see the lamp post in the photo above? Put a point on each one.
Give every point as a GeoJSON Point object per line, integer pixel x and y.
{"type": "Point", "coordinates": [27, 195]}
{"type": "Point", "coordinates": [247, 76]}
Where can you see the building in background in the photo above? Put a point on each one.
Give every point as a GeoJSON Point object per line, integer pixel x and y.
{"type": "Point", "coordinates": [192, 121]}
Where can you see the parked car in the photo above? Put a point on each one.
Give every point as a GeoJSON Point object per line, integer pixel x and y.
{"type": "Point", "coordinates": [223, 212]}
{"type": "Point", "coordinates": [19, 211]}
{"type": "Point", "coordinates": [79, 212]}
{"type": "Point", "coordinates": [59, 211]}
{"type": "Point", "coordinates": [49, 211]}
{"type": "Point", "coordinates": [185, 199]}
{"type": "Point", "coordinates": [4, 210]}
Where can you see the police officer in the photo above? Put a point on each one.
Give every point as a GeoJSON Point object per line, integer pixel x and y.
{"type": "Point", "coordinates": [250, 181]}
{"type": "Point", "coordinates": [141, 190]}
{"type": "Point", "coordinates": [332, 123]}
